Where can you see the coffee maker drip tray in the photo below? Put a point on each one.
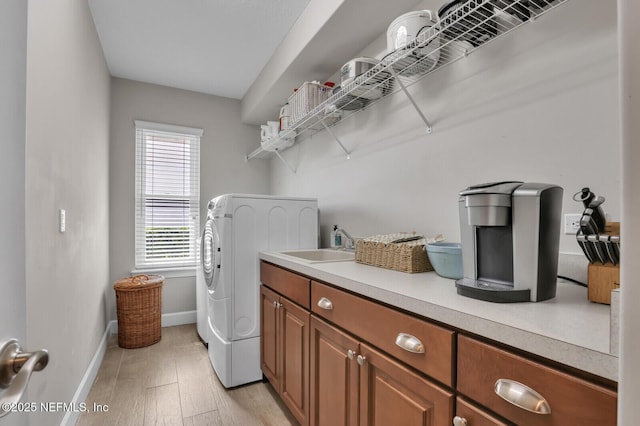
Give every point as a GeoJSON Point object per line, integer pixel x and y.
{"type": "Point", "coordinates": [491, 291]}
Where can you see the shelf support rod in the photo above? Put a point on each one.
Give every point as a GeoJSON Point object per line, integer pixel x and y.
{"type": "Point", "coordinates": [328, 129]}
{"type": "Point", "coordinates": [285, 161]}
{"type": "Point", "coordinates": [415, 105]}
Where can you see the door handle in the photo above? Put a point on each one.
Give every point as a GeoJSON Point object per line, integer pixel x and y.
{"type": "Point", "coordinates": [325, 303]}
{"type": "Point", "coordinates": [521, 396]}
{"type": "Point", "coordinates": [15, 371]}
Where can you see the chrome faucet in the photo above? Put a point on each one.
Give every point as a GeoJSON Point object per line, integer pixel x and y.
{"type": "Point", "coordinates": [350, 243]}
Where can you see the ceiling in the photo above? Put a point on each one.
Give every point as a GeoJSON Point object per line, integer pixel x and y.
{"type": "Point", "coordinates": [211, 46]}
{"type": "Point", "coordinates": [256, 51]}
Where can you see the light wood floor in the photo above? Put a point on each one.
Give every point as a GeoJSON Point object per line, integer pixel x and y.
{"type": "Point", "coordinates": [173, 383]}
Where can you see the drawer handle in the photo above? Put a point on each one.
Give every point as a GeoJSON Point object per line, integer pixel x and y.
{"type": "Point", "coordinates": [521, 396]}
{"type": "Point", "coordinates": [410, 343]}
{"type": "Point", "coordinates": [459, 421]}
{"type": "Point", "coordinates": [325, 303]}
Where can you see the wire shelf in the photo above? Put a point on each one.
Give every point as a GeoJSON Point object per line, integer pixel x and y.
{"type": "Point", "coordinates": [466, 28]}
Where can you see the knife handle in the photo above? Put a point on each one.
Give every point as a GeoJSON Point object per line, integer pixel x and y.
{"type": "Point", "coordinates": [598, 247]}
{"type": "Point", "coordinates": [584, 245]}
{"type": "Point", "coordinates": [611, 254]}
{"type": "Point", "coordinates": [597, 212]}
{"type": "Point", "coordinates": [587, 224]}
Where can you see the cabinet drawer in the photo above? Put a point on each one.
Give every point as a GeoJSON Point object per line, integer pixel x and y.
{"type": "Point", "coordinates": [288, 284]}
{"type": "Point", "coordinates": [383, 327]}
{"type": "Point", "coordinates": [570, 400]}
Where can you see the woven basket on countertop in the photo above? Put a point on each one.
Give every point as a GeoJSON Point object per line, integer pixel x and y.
{"type": "Point", "coordinates": [139, 304]}
{"type": "Point", "coordinates": [403, 257]}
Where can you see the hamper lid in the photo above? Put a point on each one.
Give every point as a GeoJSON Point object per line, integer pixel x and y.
{"type": "Point", "coordinates": [138, 281]}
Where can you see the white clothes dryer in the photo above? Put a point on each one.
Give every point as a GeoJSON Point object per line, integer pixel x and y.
{"type": "Point", "coordinates": [238, 227]}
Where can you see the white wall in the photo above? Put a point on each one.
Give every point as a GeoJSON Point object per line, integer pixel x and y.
{"type": "Point", "coordinates": [13, 33]}
{"type": "Point", "coordinates": [629, 386]}
{"type": "Point", "coordinates": [537, 105]}
{"type": "Point", "coordinates": [67, 129]}
{"type": "Point", "coordinates": [223, 169]}
{"type": "Point", "coordinates": [13, 27]}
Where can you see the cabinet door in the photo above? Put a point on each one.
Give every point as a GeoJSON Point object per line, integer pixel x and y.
{"type": "Point", "coordinates": [294, 379]}
{"type": "Point", "coordinates": [391, 394]}
{"type": "Point", "coordinates": [269, 339]}
{"type": "Point", "coordinates": [470, 415]}
{"type": "Point", "coordinates": [334, 376]}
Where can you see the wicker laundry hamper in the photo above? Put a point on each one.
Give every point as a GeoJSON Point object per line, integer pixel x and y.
{"type": "Point", "coordinates": [139, 303]}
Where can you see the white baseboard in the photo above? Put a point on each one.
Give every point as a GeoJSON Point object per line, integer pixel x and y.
{"type": "Point", "coordinates": [179, 318]}
{"type": "Point", "coordinates": [168, 320]}
{"type": "Point", "coordinates": [87, 380]}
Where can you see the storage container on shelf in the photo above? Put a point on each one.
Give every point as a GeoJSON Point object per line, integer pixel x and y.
{"type": "Point", "coordinates": [308, 96]}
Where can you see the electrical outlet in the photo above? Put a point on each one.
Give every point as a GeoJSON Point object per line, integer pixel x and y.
{"type": "Point", "coordinates": [571, 223]}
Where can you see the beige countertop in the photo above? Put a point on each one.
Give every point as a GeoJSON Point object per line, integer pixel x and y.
{"type": "Point", "coordinates": [567, 329]}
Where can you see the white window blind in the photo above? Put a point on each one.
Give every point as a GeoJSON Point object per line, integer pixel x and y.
{"type": "Point", "coordinates": [167, 195]}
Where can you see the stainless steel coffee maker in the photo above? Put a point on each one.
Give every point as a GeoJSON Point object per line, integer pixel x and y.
{"type": "Point", "coordinates": [510, 235]}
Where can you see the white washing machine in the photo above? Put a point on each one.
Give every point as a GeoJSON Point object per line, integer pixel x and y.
{"type": "Point", "coordinates": [237, 228]}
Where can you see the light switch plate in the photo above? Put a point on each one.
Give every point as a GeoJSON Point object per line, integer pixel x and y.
{"type": "Point", "coordinates": [63, 220]}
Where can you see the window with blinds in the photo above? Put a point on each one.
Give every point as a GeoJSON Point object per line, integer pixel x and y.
{"type": "Point", "coordinates": [167, 195]}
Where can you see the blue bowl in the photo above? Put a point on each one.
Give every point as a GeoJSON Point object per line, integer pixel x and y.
{"type": "Point", "coordinates": [446, 259]}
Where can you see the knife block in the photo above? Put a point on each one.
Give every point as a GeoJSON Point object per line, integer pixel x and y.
{"type": "Point", "coordinates": [602, 279]}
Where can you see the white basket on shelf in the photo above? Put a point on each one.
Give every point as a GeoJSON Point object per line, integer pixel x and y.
{"type": "Point", "coordinates": [308, 96]}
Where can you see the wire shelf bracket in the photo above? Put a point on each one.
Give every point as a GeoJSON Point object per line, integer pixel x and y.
{"type": "Point", "coordinates": [285, 161]}
{"type": "Point", "coordinates": [328, 129]}
{"type": "Point", "coordinates": [413, 102]}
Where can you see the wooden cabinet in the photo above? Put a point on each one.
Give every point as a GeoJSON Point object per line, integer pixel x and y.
{"type": "Point", "coordinates": [529, 393]}
{"type": "Point", "coordinates": [337, 358]}
{"type": "Point", "coordinates": [425, 346]}
{"type": "Point", "coordinates": [284, 348]}
{"type": "Point", "coordinates": [291, 285]}
{"type": "Point", "coordinates": [353, 383]}
{"type": "Point", "coordinates": [392, 394]}
{"type": "Point", "coordinates": [334, 376]}
{"type": "Point", "coordinates": [270, 339]}
{"type": "Point", "coordinates": [468, 414]}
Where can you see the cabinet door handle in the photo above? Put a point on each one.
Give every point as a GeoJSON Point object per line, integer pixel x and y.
{"type": "Point", "coordinates": [459, 421]}
{"type": "Point", "coordinates": [325, 303]}
{"type": "Point", "coordinates": [361, 360]}
{"type": "Point", "coordinates": [410, 343]}
{"type": "Point", "coordinates": [522, 396]}
{"type": "Point", "coordinates": [351, 354]}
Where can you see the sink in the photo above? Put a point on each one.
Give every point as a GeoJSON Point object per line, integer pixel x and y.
{"type": "Point", "coordinates": [321, 255]}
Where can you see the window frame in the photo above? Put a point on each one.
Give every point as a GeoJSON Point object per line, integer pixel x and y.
{"type": "Point", "coordinates": [192, 136]}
